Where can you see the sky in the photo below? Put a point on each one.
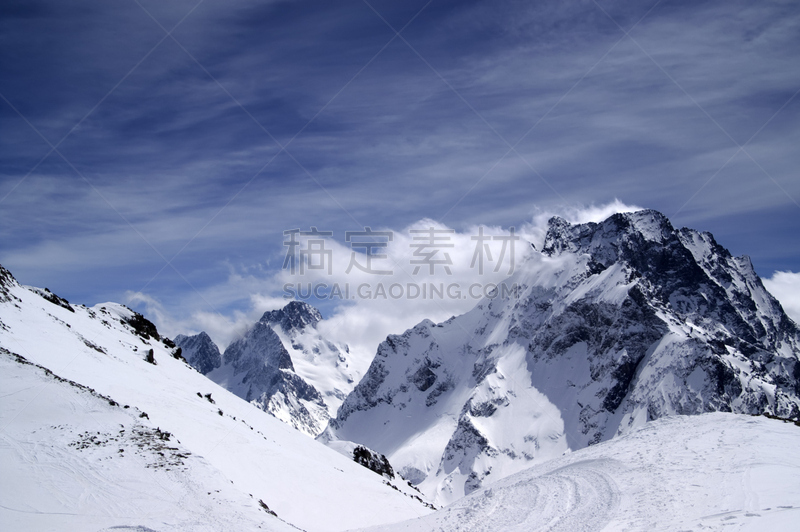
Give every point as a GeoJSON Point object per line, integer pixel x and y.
{"type": "Point", "coordinates": [154, 153]}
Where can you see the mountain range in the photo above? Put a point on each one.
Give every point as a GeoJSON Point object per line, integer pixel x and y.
{"type": "Point", "coordinates": [614, 385]}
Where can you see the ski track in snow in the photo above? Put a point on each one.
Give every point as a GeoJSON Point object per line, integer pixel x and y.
{"type": "Point", "coordinates": [709, 472]}
{"type": "Point", "coordinates": [578, 497]}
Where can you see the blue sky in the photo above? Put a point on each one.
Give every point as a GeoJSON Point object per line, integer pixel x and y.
{"type": "Point", "coordinates": [189, 135]}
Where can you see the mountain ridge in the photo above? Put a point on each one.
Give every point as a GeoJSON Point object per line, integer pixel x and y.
{"type": "Point", "coordinates": [105, 426]}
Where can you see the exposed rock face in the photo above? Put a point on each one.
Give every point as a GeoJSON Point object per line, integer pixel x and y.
{"type": "Point", "coordinates": [54, 299]}
{"type": "Point", "coordinates": [611, 325]}
{"type": "Point", "coordinates": [373, 461]}
{"type": "Point", "coordinates": [7, 282]}
{"type": "Point", "coordinates": [141, 326]}
{"type": "Point", "coordinates": [295, 316]}
{"type": "Point", "coordinates": [200, 352]}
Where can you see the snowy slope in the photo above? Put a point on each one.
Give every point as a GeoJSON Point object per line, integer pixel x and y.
{"type": "Point", "coordinates": [611, 325]}
{"type": "Point", "coordinates": [709, 472]}
{"type": "Point", "coordinates": [79, 462]}
{"type": "Point", "coordinates": [283, 365]}
{"type": "Point", "coordinates": [105, 348]}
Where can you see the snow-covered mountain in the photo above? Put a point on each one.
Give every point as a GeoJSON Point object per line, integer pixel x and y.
{"type": "Point", "coordinates": [200, 351]}
{"type": "Point", "coordinates": [609, 326]}
{"type": "Point", "coordinates": [283, 365]}
{"type": "Point", "coordinates": [103, 425]}
{"type": "Point", "coordinates": [714, 471]}
{"type": "Point", "coordinates": [328, 366]}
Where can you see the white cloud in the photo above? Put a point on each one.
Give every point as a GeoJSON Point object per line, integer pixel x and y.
{"type": "Point", "coordinates": [153, 310]}
{"type": "Point", "coordinates": [385, 308]}
{"type": "Point", "coordinates": [222, 329]}
{"type": "Point", "coordinates": [785, 286]}
{"type": "Point", "coordinates": [364, 322]}
{"type": "Point", "coordinates": [597, 213]}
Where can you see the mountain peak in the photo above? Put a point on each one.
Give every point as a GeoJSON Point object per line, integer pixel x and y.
{"type": "Point", "coordinates": [635, 227]}
{"type": "Point", "coordinates": [622, 236]}
{"type": "Point", "coordinates": [283, 365]}
{"type": "Point", "coordinates": [295, 315]}
{"type": "Point", "coordinates": [200, 351]}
